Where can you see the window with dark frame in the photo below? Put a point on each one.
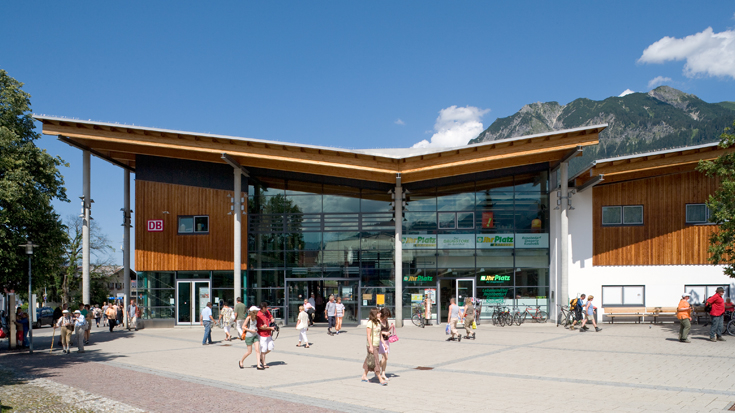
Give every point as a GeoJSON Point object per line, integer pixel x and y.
{"type": "Point", "coordinates": [697, 214]}
{"type": "Point", "coordinates": [622, 215]}
{"type": "Point", "coordinates": [623, 296]}
{"type": "Point", "coordinates": [193, 224]}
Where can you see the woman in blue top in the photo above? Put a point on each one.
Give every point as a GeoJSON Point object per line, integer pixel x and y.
{"type": "Point", "coordinates": [589, 310]}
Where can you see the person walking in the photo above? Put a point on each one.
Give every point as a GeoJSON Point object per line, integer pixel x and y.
{"type": "Point", "coordinates": [684, 314]}
{"type": "Point", "coordinates": [578, 310]}
{"type": "Point", "coordinates": [340, 314]}
{"type": "Point", "coordinates": [386, 329]}
{"type": "Point", "coordinates": [264, 330]}
{"type": "Point", "coordinates": [87, 312]}
{"type": "Point", "coordinates": [226, 317]}
{"type": "Point", "coordinates": [111, 314]}
{"type": "Point", "coordinates": [97, 314]}
{"type": "Point", "coordinates": [309, 308]}
{"type": "Point", "coordinates": [252, 338]}
{"type": "Point", "coordinates": [717, 314]}
{"type": "Point", "coordinates": [373, 342]}
{"type": "Point", "coordinates": [302, 325]}
{"type": "Point", "coordinates": [80, 327]}
{"type": "Point", "coordinates": [469, 318]}
{"type": "Point", "coordinates": [133, 316]}
{"type": "Point", "coordinates": [119, 313]}
{"type": "Point", "coordinates": [206, 319]}
{"type": "Point", "coordinates": [590, 311]}
{"type": "Point", "coordinates": [241, 313]}
{"type": "Point", "coordinates": [452, 319]}
{"type": "Point", "coordinates": [66, 326]}
{"type": "Point", "coordinates": [104, 314]}
{"type": "Point", "coordinates": [330, 312]}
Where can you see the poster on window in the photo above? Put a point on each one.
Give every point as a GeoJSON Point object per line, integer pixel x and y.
{"type": "Point", "coordinates": [487, 220]}
{"type": "Point", "coordinates": [431, 293]}
{"type": "Point", "coordinates": [203, 298]}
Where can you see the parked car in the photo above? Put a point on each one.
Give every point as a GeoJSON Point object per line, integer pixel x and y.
{"type": "Point", "coordinates": [44, 316]}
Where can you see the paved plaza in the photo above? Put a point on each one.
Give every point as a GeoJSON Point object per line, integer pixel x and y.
{"type": "Point", "coordinates": [625, 367]}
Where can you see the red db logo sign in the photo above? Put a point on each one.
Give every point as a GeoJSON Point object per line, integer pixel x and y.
{"type": "Point", "coordinates": [155, 225]}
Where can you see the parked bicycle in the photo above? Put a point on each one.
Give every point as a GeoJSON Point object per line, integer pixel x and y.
{"type": "Point", "coordinates": [417, 316]}
{"type": "Point", "coordinates": [537, 316]}
{"type": "Point", "coordinates": [566, 317]}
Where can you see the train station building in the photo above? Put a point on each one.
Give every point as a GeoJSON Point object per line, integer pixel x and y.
{"type": "Point", "coordinates": [218, 217]}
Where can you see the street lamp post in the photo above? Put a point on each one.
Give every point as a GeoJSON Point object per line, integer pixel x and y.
{"type": "Point", "coordinates": [29, 251]}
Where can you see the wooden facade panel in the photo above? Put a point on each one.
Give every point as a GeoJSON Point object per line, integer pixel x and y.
{"type": "Point", "coordinates": [664, 238]}
{"type": "Point", "coordinates": [170, 251]}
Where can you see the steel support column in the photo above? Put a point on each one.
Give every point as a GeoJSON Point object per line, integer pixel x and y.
{"type": "Point", "coordinates": [86, 212]}
{"type": "Point", "coordinates": [126, 234]}
{"type": "Point", "coordinates": [398, 255]}
{"type": "Point", "coordinates": [562, 296]}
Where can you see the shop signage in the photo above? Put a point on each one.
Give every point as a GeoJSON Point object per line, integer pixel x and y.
{"type": "Point", "coordinates": [495, 278]}
{"type": "Point", "coordinates": [411, 242]}
{"type": "Point", "coordinates": [155, 225]}
{"type": "Point", "coordinates": [491, 241]}
{"type": "Point", "coordinates": [532, 240]}
{"type": "Point", "coordinates": [418, 278]}
{"type": "Point", "coordinates": [450, 241]}
{"type": "Point", "coordinates": [494, 294]}
{"type": "Point", "coordinates": [417, 298]}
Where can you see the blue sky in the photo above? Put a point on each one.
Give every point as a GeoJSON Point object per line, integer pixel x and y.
{"type": "Point", "coordinates": [345, 74]}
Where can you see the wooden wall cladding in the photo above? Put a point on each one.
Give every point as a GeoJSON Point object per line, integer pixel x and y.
{"type": "Point", "coordinates": [169, 251]}
{"type": "Point", "coordinates": [664, 238]}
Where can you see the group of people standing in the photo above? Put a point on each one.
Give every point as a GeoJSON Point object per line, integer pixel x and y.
{"type": "Point", "coordinates": [80, 321]}
{"type": "Point", "coordinates": [719, 309]}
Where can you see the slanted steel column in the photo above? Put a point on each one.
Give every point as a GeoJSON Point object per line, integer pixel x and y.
{"type": "Point", "coordinates": [238, 171]}
{"type": "Point", "coordinates": [86, 212]}
{"type": "Point", "coordinates": [126, 234]}
{"type": "Point", "coordinates": [238, 233]}
{"type": "Point", "coordinates": [563, 294]}
{"type": "Point", "coordinates": [398, 258]}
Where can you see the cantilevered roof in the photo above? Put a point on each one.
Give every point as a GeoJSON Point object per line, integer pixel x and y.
{"type": "Point", "coordinates": [121, 143]}
{"type": "Point", "coordinates": [644, 165]}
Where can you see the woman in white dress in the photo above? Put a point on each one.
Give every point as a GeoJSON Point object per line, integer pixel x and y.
{"type": "Point", "coordinates": [302, 325]}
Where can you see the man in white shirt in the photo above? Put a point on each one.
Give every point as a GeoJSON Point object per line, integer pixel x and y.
{"type": "Point", "coordinates": [132, 316]}
{"type": "Point", "coordinates": [207, 321]}
{"type": "Point", "coordinates": [80, 326]}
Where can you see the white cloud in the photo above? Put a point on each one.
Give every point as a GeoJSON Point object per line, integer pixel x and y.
{"type": "Point", "coordinates": [399, 122]}
{"type": "Point", "coordinates": [658, 80]}
{"type": "Point", "coordinates": [706, 53]}
{"type": "Point", "coordinates": [626, 92]}
{"type": "Point", "coordinates": [455, 126]}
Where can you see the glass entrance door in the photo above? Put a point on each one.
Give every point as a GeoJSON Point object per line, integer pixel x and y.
{"type": "Point", "coordinates": [465, 289]}
{"type": "Point", "coordinates": [298, 290]}
{"type": "Point", "coordinates": [191, 298]}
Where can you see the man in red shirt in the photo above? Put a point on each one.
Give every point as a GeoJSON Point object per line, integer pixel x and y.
{"type": "Point", "coordinates": [264, 330]}
{"type": "Point", "coordinates": [717, 313]}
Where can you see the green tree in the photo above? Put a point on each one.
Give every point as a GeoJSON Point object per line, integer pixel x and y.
{"type": "Point", "coordinates": [67, 282]}
{"type": "Point", "coordinates": [721, 204]}
{"type": "Point", "coordinates": [29, 181]}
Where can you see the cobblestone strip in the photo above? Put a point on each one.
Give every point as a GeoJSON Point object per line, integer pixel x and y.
{"type": "Point", "coordinates": [252, 391]}
{"type": "Point", "coordinates": [23, 393]}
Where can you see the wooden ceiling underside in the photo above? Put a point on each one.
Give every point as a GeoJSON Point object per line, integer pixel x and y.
{"type": "Point", "coordinates": [120, 144]}
{"type": "Point", "coordinates": [653, 164]}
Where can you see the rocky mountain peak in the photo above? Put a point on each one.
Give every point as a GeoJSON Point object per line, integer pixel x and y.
{"type": "Point", "coordinates": [673, 97]}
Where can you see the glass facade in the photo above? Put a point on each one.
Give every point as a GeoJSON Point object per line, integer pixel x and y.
{"type": "Point", "coordinates": [495, 232]}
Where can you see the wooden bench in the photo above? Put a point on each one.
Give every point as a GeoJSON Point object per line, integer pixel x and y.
{"type": "Point", "coordinates": [616, 312]}
{"type": "Point", "coordinates": [657, 312]}
{"type": "Point", "coordinates": [697, 312]}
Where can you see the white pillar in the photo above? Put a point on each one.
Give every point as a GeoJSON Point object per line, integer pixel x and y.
{"type": "Point", "coordinates": [126, 234]}
{"type": "Point", "coordinates": [398, 258]}
{"type": "Point", "coordinates": [562, 297]}
{"type": "Point", "coordinates": [238, 233]}
{"type": "Point", "coordinates": [85, 227]}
